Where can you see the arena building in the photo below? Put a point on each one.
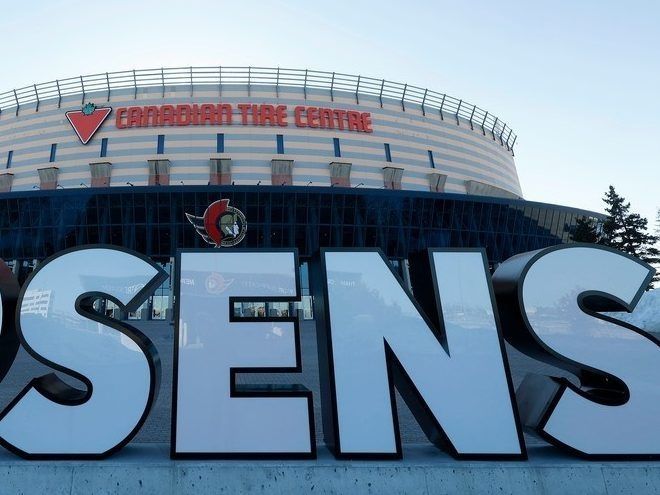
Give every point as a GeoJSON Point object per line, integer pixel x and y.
{"type": "Point", "coordinates": [307, 159]}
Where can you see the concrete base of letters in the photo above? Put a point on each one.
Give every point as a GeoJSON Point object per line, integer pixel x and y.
{"type": "Point", "coordinates": [146, 468]}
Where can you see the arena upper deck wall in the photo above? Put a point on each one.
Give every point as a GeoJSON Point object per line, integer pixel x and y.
{"type": "Point", "coordinates": [423, 141]}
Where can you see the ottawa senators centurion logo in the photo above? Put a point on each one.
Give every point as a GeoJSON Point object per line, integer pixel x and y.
{"type": "Point", "coordinates": [221, 224]}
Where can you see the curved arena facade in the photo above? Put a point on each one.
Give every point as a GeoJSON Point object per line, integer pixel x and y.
{"type": "Point", "coordinates": [310, 159]}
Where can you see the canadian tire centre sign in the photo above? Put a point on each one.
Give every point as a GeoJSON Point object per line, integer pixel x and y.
{"type": "Point", "coordinates": [88, 120]}
{"type": "Point", "coordinates": [442, 349]}
{"type": "Point", "coordinates": [244, 114]}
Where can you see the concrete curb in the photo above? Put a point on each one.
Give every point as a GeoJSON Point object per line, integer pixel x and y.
{"type": "Point", "coordinates": [147, 469]}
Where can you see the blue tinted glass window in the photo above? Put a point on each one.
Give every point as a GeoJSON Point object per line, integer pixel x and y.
{"type": "Point", "coordinates": [10, 155]}
{"type": "Point", "coordinates": [335, 142]}
{"type": "Point", "coordinates": [220, 143]}
{"type": "Point", "coordinates": [161, 144]}
{"type": "Point", "coordinates": [280, 144]}
{"type": "Point", "coordinates": [104, 147]}
{"type": "Point", "coordinates": [53, 151]}
{"type": "Point", "coordinates": [431, 160]}
{"type": "Point", "coordinates": [388, 153]}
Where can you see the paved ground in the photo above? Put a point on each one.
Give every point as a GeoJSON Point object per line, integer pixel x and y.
{"type": "Point", "coordinates": [157, 427]}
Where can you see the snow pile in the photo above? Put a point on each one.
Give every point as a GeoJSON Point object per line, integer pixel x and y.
{"type": "Point", "coordinates": [646, 314]}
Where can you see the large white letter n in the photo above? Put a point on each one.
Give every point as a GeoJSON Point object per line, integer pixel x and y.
{"type": "Point", "coordinates": [377, 337]}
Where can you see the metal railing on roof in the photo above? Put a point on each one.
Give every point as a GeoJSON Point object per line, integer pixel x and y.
{"type": "Point", "coordinates": [221, 77]}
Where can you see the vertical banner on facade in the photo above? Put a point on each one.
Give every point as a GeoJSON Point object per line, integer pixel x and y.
{"type": "Point", "coordinates": [213, 416]}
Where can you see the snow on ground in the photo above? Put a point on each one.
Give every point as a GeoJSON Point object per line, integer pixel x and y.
{"type": "Point", "coordinates": [646, 314]}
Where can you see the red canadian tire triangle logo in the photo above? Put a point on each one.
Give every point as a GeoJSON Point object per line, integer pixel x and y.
{"type": "Point", "coordinates": [88, 120]}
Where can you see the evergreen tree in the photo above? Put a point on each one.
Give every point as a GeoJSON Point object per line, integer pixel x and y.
{"type": "Point", "coordinates": [653, 252]}
{"type": "Point", "coordinates": [613, 227]}
{"type": "Point", "coordinates": [628, 232]}
{"type": "Point", "coordinates": [635, 238]}
{"type": "Point", "coordinates": [652, 256]}
{"type": "Point", "coordinates": [585, 230]}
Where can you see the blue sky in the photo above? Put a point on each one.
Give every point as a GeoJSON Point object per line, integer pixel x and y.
{"type": "Point", "coordinates": [577, 81]}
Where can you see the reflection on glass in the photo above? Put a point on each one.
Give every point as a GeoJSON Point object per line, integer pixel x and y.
{"type": "Point", "coordinates": [464, 386]}
{"type": "Point", "coordinates": [210, 418]}
{"type": "Point", "coordinates": [119, 374]}
{"type": "Point", "coordinates": [583, 341]}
